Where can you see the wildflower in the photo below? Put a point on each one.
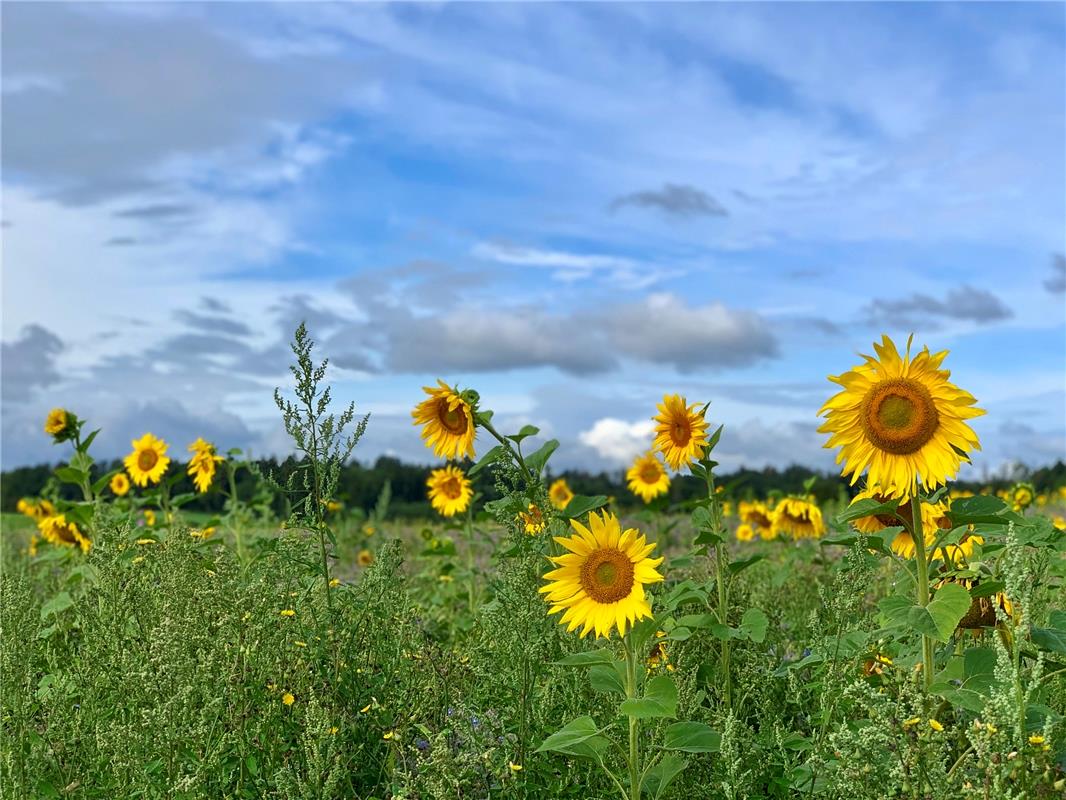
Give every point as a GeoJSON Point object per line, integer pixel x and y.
{"type": "Point", "coordinates": [745, 533]}
{"type": "Point", "coordinates": [365, 558]}
{"type": "Point", "coordinates": [148, 461]}
{"type": "Point", "coordinates": [333, 506]}
{"type": "Point", "coordinates": [288, 699]}
{"type": "Point", "coordinates": [203, 464]}
{"type": "Point", "coordinates": [334, 583]}
{"type": "Point", "coordinates": [202, 533]}
{"type": "Point", "coordinates": [120, 484]}
{"type": "Point", "coordinates": [599, 584]}
{"type": "Point", "coordinates": [680, 432]}
{"type": "Point", "coordinates": [514, 767]}
{"type": "Point", "coordinates": [57, 530]}
{"type": "Point", "coordinates": [369, 530]}
{"type": "Point", "coordinates": [288, 612]}
{"type": "Point", "coordinates": [450, 491]}
{"type": "Point", "coordinates": [658, 656]}
{"type": "Point", "coordinates": [333, 730]}
{"type": "Point", "coordinates": [388, 735]}
{"type": "Point", "coordinates": [1036, 738]}
{"type": "Point", "coordinates": [647, 478]}
{"type": "Point", "coordinates": [146, 541]}
{"type": "Point", "coordinates": [902, 418]}
{"type": "Point", "coordinates": [532, 520]}
{"type": "Point", "coordinates": [798, 518]}
{"type": "Point", "coordinates": [149, 517]}
{"type": "Point", "coordinates": [560, 494]}
{"type": "Point", "coordinates": [365, 708]}
{"type": "Point", "coordinates": [447, 421]}
{"type": "Point", "coordinates": [446, 578]}
{"type": "Point", "coordinates": [910, 723]}
{"type": "Point", "coordinates": [57, 422]}
{"type": "Point", "coordinates": [936, 726]}
{"type": "Point", "coordinates": [1021, 496]}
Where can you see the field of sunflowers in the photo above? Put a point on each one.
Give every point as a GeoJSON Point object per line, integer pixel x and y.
{"type": "Point", "coordinates": [905, 641]}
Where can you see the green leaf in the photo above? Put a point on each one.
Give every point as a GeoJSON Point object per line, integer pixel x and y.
{"type": "Point", "coordinates": [527, 430]}
{"type": "Point", "coordinates": [536, 461]}
{"type": "Point", "coordinates": [940, 618]}
{"type": "Point", "coordinates": [104, 480]}
{"type": "Point", "coordinates": [57, 605]}
{"type": "Point", "coordinates": [713, 440]}
{"type": "Point", "coordinates": [588, 659]}
{"type": "Point", "coordinates": [659, 777]}
{"type": "Point", "coordinates": [692, 737]}
{"type": "Point", "coordinates": [659, 700]}
{"type": "Point", "coordinates": [702, 519]}
{"type": "Point", "coordinates": [488, 458]}
{"type": "Point", "coordinates": [986, 589]}
{"type": "Point", "coordinates": [570, 736]}
{"type": "Point", "coordinates": [983, 508]}
{"type": "Point", "coordinates": [754, 624]}
{"type": "Point", "coordinates": [1052, 638]}
{"type": "Point", "coordinates": [742, 564]}
{"type": "Point", "coordinates": [608, 678]}
{"type": "Point", "coordinates": [580, 505]}
{"type": "Point", "coordinates": [72, 475]}
{"type": "Point", "coordinates": [867, 507]}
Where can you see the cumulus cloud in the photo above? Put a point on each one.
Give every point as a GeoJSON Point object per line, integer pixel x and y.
{"type": "Point", "coordinates": [963, 303]}
{"type": "Point", "coordinates": [674, 199]}
{"type": "Point", "coordinates": [616, 440]}
{"type": "Point", "coordinates": [29, 363]}
{"type": "Point", "coordinates": [1056, 284]}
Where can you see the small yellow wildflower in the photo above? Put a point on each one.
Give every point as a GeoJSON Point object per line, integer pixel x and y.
{"type": "Point", "coordinates": [1036, 738]}
{"type": "Point", "coordinates": [910, 723]}
{"type": "Point", "coordinates": [514, 767]}
{"type": "Point", "coordinates": [288, 699]}
{"type": "Point", "coordinates": [288, 612]}
{"type": "Point", "coordinates": [936, 726]}
{"type": "Point", "coordinates": [334, 582]}
{"type": "Point", "coordinates": [298, 643]}
{"type": "Point", "coordinates": [333, 730]}
{"type": "Point", "coordinates": [146, 541]}
{"type": "Point", "coordinates": [365, 708]}
{"type": "Point", "coordinates": [388, 735]}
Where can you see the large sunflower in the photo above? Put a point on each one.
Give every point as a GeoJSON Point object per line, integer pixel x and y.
{"type": "Point", "coordinates": [560, 494]}
{"type": "Point", "coordinates": [148, 461]}
{"type": "Point", "coordinates": [447, 422]}
{"type": "Point", "coordinates": [57, 530]}
{"type": "Point", "coordinates": [647, 477]}
{"type": "Point", "coordinates": [203, 463]}
{"type": "Point", "coordinates": [798, 518]}
{"type": "Point", "coordinates": [680, 431]}
{"type": "Point", "coordinates": [449, 491]}
{"type": "Point", "coordinates": [756, 514]}
{"type": "Point", "coordinates": [902, 419]}
{"type": "Point", "coordinates": [599, 584]}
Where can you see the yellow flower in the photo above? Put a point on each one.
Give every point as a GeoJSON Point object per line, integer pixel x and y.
{"type": "Point", "coordinates": [797, 518]}
{"type": "Point", "coordinates": [149, 518]}
{"type": "Point", "coordinates": [756, 514]}
{"type": "Point", "coordinates": [745, 533]}
{"type": "Point", "coordinates": [288, 612]}
{"type": "Point", "coordinates": [447, 422]}
{"type": "Point", "coordinates": [333, 506]}
{"type": "Point", "coordinates": [532, 520]}
{"type": "Point", "coordinates": [146, 541]}
{"type": "Point", "coordinates": [514, 767]}
{"type": "Point", "coordinates": [560, 494]}
{"type": "Point", "coordinates": [57, 530]}
{"type": "Point", "coordinates": [910, 723]}
{"type": "Point", "coordinates": [369, 530]}
{"type": "Point", "coordinates": [388, 735]}
{"type": "Point", "coordinates": [365, 558]}
{"type": "Point", "coordinates": [334, 582]}
{"type": "Point", "coordinates": [120, 484]}
{"type": "Point", "coordinates": [647, 477]}
{"type": "Point", "coordinates": [203, 463]}
{"type": "Point", "coordinates": [680, 431]}
{"type": "Point", "coordinates": [936, 726]}
{"type": "Point", "coordinates": [56, 421]}
{"type": "Point", "coordinates": [1059, 522]}
{"type": "Point", "coordinates": [658, 657]}
{"type": "Point", "coordinates": [288, 699]}
{"type": "Point", "coordinates": [1021, 496]}
{"type": "Point", "coordinates": [901, 418]}
{"type": "Point", "coordinates": [148, 461]}
{"type": "Point", "coordinates": [450, 491]}
{"type": "Point", "coordinates": [599, 583]}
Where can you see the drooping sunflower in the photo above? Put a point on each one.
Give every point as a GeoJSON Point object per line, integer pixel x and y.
{"type": "Point", "coordinates": [798, 518]}
{"type": "Point", "coordinates": [560, 494]}
{"type": "Point", "coordinates": [647, 477]}
{"type": "Point", "coordinates": [447, 422]}
{"type": "Point", "coordinates": [203, 464]}
{"type": "Point", "coordinates": [680, 431]}
{"type": "Point", "coordinates": [599, 584]}
{"type": "Point", "coordinates": [901, 419]}
{"type": "Point", "coordinates": [365, 558]}
{"type": "Point", "coordinates": [57, 530]}
{"type": "Point", "coordinates": [56, 422]}
{"type": "Point", "coordinates": [745, 533]}
{"type": "Point", "coordinates": [148, 461]}
{"type": "Point", "coordinates": [532, 520]}
{"type": "Point", "coordinates": [1021, 496]}
{"type": "Point", "coordinates": [449, 491]}
{"type": "Point", "coordinates": [120, 484]}
{"type": "Point", "coordinates": [756, 514]}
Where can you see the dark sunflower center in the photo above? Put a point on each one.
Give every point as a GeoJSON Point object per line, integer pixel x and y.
{"type": "Point", "coordinates": [452, 420]}
{"type": "Point", "coordinates": [451, 488]}
{"type": "Point", "coordinates": [147, 459]}
{"type": "Point", "coordinates": [66, 533]}
{"type": "Point", "coordinates": [649, 473]}
{"type": "Point", "coordinates": [680, 432]}
{"type": "Point", "coordinates": [899, 416]}
{"type": "Point", "coordinates": [761, 519]}
{"type": "Point", "coordinates": [607, 575]}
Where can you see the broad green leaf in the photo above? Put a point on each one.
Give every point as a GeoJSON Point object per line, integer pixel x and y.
{"type": "Point", "coordinates": [491, 456]}
{"type": "Point", "coordinates": [72, 475]}
{"type": "Point", "coordinates": [659, 700]}
{"type": "Point", "coordinates": [983, 508]}
{"type": "Point", "coordinates": [867, 507]}
{"type": "Point", "coordinates": [742, 564]}
{"type": "Point", "coordinates": [702, 518]}
{"type": "Point", "coordinates": [659, 777]}
{"type": "Point", "coordinates": [608, 678]}
{"type": "Point", "coordinates": [692, 737]}
{"type": "Point", "coordinates": [536, 461]}
{"type": "Point", "coordinates": [986, 589]}
{"type": "Point", "coordinates": [582, 504]}
{"type": "Point", "coordinates": [57, 605]}
{"type": "Point", "coordinates": [572, 733]}
{"type": "Point", "coordinates": [940, 618]}
{"type": "Point", "coordinates": [588, 659]}
{"type": "Point", "coordinates": [754, 624]}
{"type": "Point", "coordinates": [527, 430]}
{"type": "Point", "coordinates": [1052, 638]}
{"type": "Point", "coordinates": [104, 481]}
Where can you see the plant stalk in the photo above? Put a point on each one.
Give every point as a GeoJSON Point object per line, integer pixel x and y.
{"type": "Point", "coordinates": [923, 586]}
{"type": "Point", "coordinates": [634, 723]}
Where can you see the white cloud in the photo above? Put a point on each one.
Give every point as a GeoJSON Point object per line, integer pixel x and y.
{"type": "Point", "coordinates": [616, 440]}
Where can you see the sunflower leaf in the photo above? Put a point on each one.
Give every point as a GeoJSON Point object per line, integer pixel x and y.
{"type": "Point", "coordinates": [754, 624]}
{"type": "Point", "coordinates": [492, 455]}
{"type": "Point", "coordinates": [692, 737]}
{"type": "Point", "coordinates": [608, 678]}
{"type": "Point", "coordinates": [536, 461]}
{"type": "Point", "coordinates": [582, 504]}
{"type": "Point", "coordinates": [867, 507]}
{"type": "Point", "coordinates": [659, 777]}
{"type": "Point", "coordinates": [527, 430]}
{"type": "Point", "coordinates": [659, 700]}
{"type": "Point", "coordinates": [572, 734]}
{"type": "Point", "coordinates": [982, 508]}
{"type": "Point", "coordinates": [940, 618]}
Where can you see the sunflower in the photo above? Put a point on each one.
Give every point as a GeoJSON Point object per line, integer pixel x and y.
{"type": "Point", "coordinates": [149, 518]}
{"type": "Point", "coordinates": [647, 477]}
{"type": "Point", "coordinates": [798, 518]}
{"type": "Point", "coordinates": [365, 558]}
{"type": "Point", "coordinates": [599, 584]}
{"type": "Point", "coordinates": [745, 533]}
{"type": "Point", "coordinates": [57, 530]}
{"type": "Point", "coordinates": [961, 552]}
{"type": "Point", "coordinates": [56, 422]}
{"type": "Point", "coordinates": [449, 491]}
{"type": "Point", "coordinates": [532, 520]}
{"type": "Point", "coordinates": [447, 422]}
{"type": "Point", "coordinates": [1021, 496]}
{"type": "Point", "coordinates": [875, 523]}
{"type": "Point", "coordinates": [560, 494]}
{"type": "Point", "coordinates": [982, 611]}
{"type": "Point", "coordinates": [756, 514]}
{"type": "Point", "coordinates": [203, 463]}
{"type": "Point", "coordinates": [658, 658]}
{"type": "Point", "coordinates": [148, 461]}
{"type": "Point", "coordinates": [120, 484]}
{"type": "Point", "coordinates": [901, 418]}
{"type": "Point", "coordinates": [680, 432]}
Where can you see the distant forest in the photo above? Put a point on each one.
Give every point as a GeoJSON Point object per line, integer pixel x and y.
{"type": "Point", "coordinates": [360, 484]}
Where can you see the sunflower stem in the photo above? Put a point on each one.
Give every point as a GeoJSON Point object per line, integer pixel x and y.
{"type": "Point", "coordinates": [720, 572]}
{"type": "Point", "coordinates": [923, 585]}
{"type": "Point", "coordinates": [634, 723]}
{"type": "Point", "coordinates": [484, 423]}
{"type": "Point", "coordinates": [470, 588]}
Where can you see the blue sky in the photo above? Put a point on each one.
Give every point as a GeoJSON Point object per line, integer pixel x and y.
{"type": "Point", "coordinates": [573, 208]}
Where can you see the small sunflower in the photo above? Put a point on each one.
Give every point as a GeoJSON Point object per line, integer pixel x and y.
{"type": "Point", "coordinates": [599, 583]}
{"type": "Point", "coordinates": [647, 477]}
{"type": "Point", "coordinates": [1021, 496]}
{"type": "Point", "coordinates": [449, 491]}
{"type": "Point", "coordinates": [798, 518]}
{"type": "Point", "coordinates": [149, 518]}
{"type": "Point", "coordinates": [365, 558]}
{"type": "Point", "coordinates": [745, 533]}
{"type": "Point", "coordinates": [203, 464]}
{"type": "Point", "coordinates": [57, 422]}
{"type": "Point", "coordinates": [560, 494]}
{"type": "Point", "coordinates": [659, 658]}
{"type": "Point", "coordinates": [57, 530]}
{"type": "Point", "coordinates": [680, 431]}
{"type": "Point", "coordinates": [902, 419]}
{"type": "Point", "coordinates": [447, 421]}
{"type": "Point", "coordinates": [982, 611]}
{"type": "Point", "coordinates": [148, 461]}
{"type": "Point", "coordinates": [532, 520]}
{"type": "Point", "coordinates": [120, 484]}
{"type": "Point", "coordinates": [756, 514]}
